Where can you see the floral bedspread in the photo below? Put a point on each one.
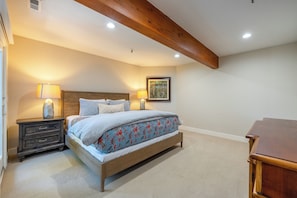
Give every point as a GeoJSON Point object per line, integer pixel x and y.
{"type": "Point", "coordinates": [128, 135]}
{"type": "Point", "coordinates": [89, 130]}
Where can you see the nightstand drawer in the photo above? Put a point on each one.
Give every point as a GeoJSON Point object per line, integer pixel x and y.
{"type": "Point", "coordinates": [35, 129]}
{"type": "Point", "coordinates": [41, 135]}
{"type": "Point", "coordinates": [40, 142]}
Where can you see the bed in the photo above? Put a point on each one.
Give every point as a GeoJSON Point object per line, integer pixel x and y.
{"type": "Point", "coordinates": [112, 165]}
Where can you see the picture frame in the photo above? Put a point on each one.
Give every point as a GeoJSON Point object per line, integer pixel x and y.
{"type": "Point", "coordinates": [158, 89]}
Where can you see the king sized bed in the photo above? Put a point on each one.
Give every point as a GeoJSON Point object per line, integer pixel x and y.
{"type": "Point", "coordinates": [127, 138]}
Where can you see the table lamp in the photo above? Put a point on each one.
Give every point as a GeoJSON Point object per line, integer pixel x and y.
{"type": "Point", "coordinates": [48, 92]}
{"type": "Point", "coordinates": [142, 95]}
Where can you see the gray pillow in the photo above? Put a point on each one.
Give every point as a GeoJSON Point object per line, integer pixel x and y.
{"type": "Point", "coordinates": [89, 107]}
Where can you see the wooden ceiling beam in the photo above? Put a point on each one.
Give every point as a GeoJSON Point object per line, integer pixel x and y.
{"type": "Point", "coordinates": [146, 19]}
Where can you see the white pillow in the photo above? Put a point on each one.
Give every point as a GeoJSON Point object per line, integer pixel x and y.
{"type": "Point", "coordinates": [103, 108]}
{"type": "Point", "coordinates": [122, 101]}
{"type": "Point", "coordinates": [108, 100]}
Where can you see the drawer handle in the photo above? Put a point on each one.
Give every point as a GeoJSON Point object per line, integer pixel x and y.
{"type": "Point", "coordinates": [43, 140]}
{"type": "Point", "coordinates": [43, 128]}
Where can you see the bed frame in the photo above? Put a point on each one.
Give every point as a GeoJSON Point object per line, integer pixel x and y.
{"type": "Point", "coordinates": [70, 106]}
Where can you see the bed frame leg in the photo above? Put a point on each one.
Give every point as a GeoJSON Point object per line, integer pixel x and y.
{"type": "Point", "coordinates": [102, 184]}
{"type": "Point", "coordinates": [182, 138]}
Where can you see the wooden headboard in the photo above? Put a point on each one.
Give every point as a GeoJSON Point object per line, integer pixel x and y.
{"type": "Point", "coordinates": [70, 99]}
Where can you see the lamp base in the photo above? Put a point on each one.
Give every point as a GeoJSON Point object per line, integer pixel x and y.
{"type": "Point", "coordinates": [142, 104]}
{"type": "Point", "coordinates": [48, 109]}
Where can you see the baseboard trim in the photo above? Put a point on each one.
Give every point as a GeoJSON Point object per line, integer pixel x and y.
{"type": "Point", "coordinates": [1, 177]}
{"type": "Point", "coordinates": [213, 133]}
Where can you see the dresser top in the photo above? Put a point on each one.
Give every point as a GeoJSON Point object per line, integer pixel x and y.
{"type": "Point", "coordinates": [277, 138]}
{"type": "Point", "coordinates": [31, 120]}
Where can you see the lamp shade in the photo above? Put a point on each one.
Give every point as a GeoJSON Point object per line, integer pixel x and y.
{"type": "Point", "coordinates": [48, 91]}
{"type": "Point", "coordinates": [142, 94]}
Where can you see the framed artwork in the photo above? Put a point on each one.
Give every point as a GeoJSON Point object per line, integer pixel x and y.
{"type": "Point", "coordinates": [158, 89]}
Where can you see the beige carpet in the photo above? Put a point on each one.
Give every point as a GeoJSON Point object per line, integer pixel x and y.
{"type": "Point", "coordinates": [206, 167]}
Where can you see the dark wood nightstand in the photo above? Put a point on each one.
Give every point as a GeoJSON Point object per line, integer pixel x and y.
{"type": "Point", "coordinates": [38, 135]}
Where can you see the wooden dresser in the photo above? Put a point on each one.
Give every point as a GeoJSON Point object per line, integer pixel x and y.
{"type": "Point", "coordinates": [273, 158]}
{"type": "Point", "coordinates": [37, 135]}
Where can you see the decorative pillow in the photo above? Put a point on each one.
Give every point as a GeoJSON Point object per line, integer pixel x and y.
{"type": "Point", "coordinates": [89, 107]}
{"type": "Point", "coordinates": [108, 100]}
{"type": "Point", "coordinates": [125, 102]}
{"type": "Point", "coordinates": [104, 108]}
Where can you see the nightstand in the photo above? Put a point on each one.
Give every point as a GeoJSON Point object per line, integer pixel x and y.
{"type": "Point", "coordinates": [38, 135]}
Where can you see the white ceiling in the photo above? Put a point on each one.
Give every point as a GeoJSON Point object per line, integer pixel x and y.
{"type": "Point", "coordinates": [217, 24]}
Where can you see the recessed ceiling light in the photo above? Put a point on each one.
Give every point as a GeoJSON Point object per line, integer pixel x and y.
{"type": "Point", "coordinates": [176, 56]}
{"type": "Point", "coordinates": [246, 35]}
{"type": "Point", "coordinates": [110, 25]}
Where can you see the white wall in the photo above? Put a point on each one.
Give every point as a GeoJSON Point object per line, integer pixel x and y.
{"type": "Point", "coordinates": [245, 88]}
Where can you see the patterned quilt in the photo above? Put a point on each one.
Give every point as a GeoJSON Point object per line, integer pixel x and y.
{"type": "Point", "coordinates": [128, 135]}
